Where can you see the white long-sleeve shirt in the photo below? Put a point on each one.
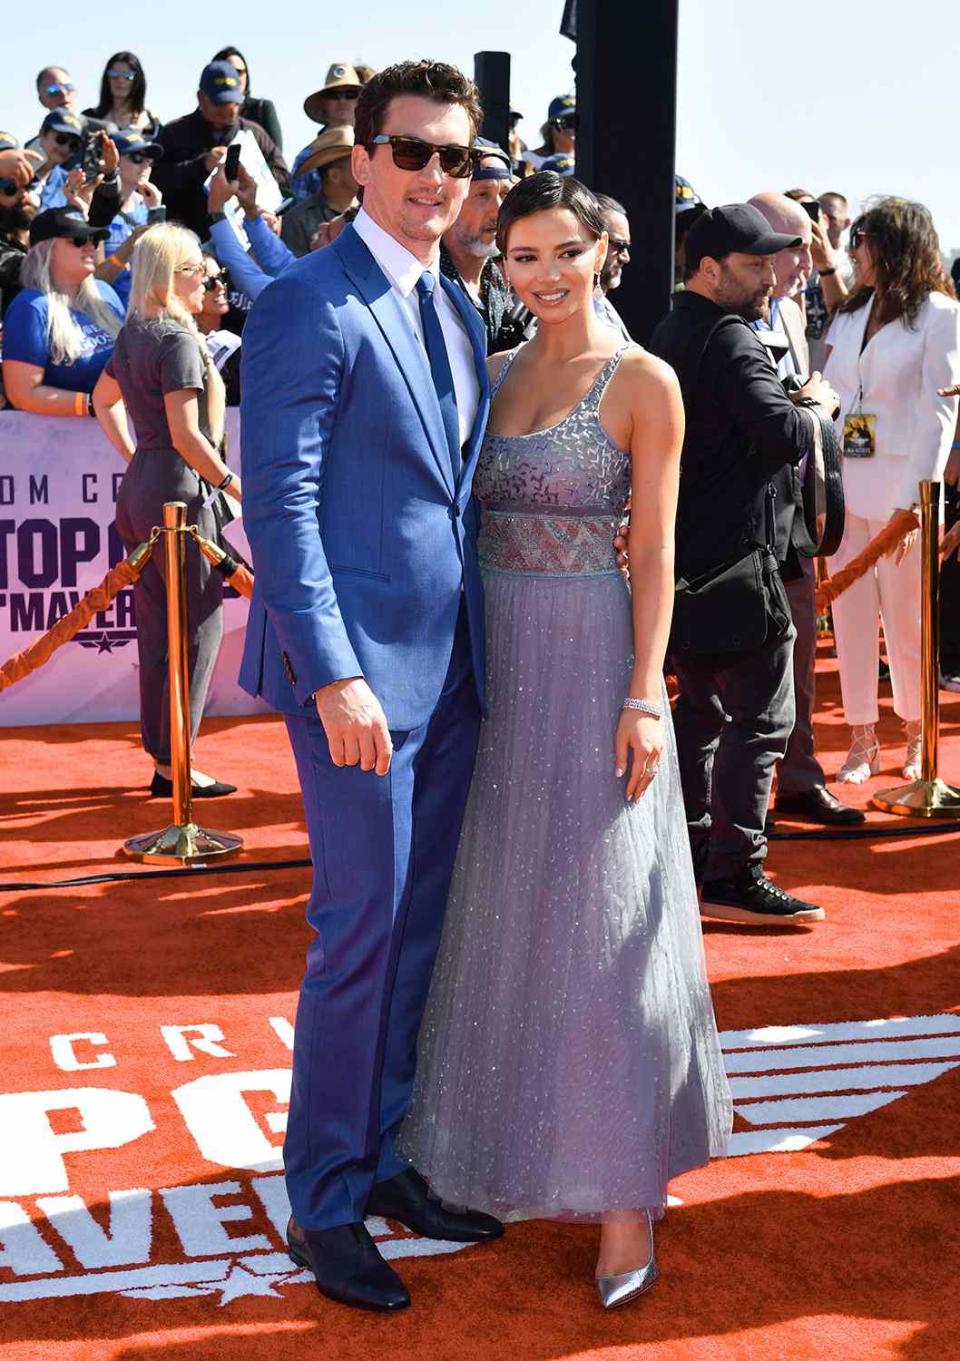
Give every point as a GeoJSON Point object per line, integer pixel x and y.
{"type": "Point", "coordinates": [900, 370]}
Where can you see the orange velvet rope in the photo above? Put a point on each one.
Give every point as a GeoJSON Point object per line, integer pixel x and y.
{"type": "Point", "coordinates": [902, 524]}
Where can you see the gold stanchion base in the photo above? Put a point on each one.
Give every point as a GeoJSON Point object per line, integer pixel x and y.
{"type": "Point", "coordinates": [182, 844]}
{"type": "Point", "coordinates": [921, 799]}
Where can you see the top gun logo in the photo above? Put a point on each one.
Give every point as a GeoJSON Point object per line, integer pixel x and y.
{"type": "Point", "coordinates": [41, 558]}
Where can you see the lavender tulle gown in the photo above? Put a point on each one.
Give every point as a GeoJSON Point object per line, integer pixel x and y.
{"type": "Point", "coordinates": [569, 1062]}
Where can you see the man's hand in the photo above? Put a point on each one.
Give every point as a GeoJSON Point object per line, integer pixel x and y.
{"type": "Point", "coordinates": [355, 724]}
{"type": "Point", "coordinates": [328, 232]}
{"type": "Point", "coordinates": [950, 542]}
{"type": "Point", "coordinates": [20, 166]}
{"type": "Point", "coordinates": [246, 191]}
{"type": "Point", "coordinates": [150, 194]}
{"type": "Point", "coordinates": [949, 392]}
{"type": "Point", "coordinates": [78, 193]}
{"type": "Point", "coordinates": [819, 390]}
{"type": "Point", "coordinates": [214, 156]}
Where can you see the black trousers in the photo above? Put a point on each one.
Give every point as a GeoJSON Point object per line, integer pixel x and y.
{"type": "Point", "coordinates": [950, 593]}
{"type": "Point", "coordinates": [732, 725]}
{"type": "Point", "coordinates": [800, 770]}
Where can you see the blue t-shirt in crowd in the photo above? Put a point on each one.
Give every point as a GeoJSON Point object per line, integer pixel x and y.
{"type": "Point", "coordinates": [52, 194]}
{"type": "Point", "coordinates": [25, 339]}
{"type": "Point", "coordinates": [119, 229]}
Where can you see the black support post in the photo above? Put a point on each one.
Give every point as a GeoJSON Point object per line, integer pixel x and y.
{"type": "Point", "coordinates": [491, 72]}
{"type": "Point", "coordinates": [626, 138]}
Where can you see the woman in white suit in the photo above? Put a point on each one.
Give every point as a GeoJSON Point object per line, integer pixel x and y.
{"type": "Point", "coordinates": [893, 343]}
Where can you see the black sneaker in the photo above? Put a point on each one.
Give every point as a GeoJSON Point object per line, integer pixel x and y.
{"type": "Point", "coordinates": [755, 898]}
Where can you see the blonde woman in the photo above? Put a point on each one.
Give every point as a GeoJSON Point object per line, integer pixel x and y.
{"type": "Point", "coordinates": [161, 372]}
{"type": "Point", "coordinates": [59, 330]}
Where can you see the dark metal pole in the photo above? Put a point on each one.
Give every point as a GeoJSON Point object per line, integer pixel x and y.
{"type": "Point", "coordinates": [492, 76]}
{"type": "Point", "coordinates": [626, 138]}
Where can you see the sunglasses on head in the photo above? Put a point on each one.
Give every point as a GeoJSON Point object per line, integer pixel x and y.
{"type": "Point", "coordinates": [120, 75]}
{"type": "Point", "coordinates": [63, 89]}
{"type": "Point", "coordinates": [213, 280]}
{"type": "Point", "coordinates": [65, 139]}
{"type": "Point", "coordinates": [412, 153]}
{"type": "Point", "coordinates": [567, 122]}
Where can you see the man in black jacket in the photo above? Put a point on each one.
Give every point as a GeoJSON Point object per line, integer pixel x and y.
{"type": "Point", "coordinates": [736, 707]}
{"type": "Point", "coordinates": [193, 147]}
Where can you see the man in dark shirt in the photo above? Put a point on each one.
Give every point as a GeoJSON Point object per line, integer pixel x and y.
{"type": "Point", "coordinates": [18, 207]}
{"type": "Point", "coordinates": [193, 147]}
{"type": "Point", "coordinates": [736, 709]}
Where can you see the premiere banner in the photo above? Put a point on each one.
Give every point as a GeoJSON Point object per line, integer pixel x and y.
{"type": "Point", "coordinates": [59, 479]}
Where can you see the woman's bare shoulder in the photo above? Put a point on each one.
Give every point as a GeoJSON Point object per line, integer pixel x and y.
{"type": "Point", "coordinates": [646, 377]}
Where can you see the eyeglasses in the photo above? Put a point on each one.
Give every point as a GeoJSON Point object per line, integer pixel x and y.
{"type": "Point", "coordinates": [64, 139]}
{"type": "Point", "coordinates": [120, 75]}
{"type": "Point", "coordinates": [566, 122]}
{"type": "Point", "coordinates": [196, 267]}
{"type": "Point", "coordinates": [63, 89]}
{"type": "Point", "coordinates": [619, 247]}
{"type": "Point", "coordinates": [856, 237]}
{"type": "Point", "coordinates": [213, 281]}
{"type": "Point", "coordinates": [412, 153]}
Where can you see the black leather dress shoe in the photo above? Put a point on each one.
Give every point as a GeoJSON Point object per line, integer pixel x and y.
{"type": "Point", "coordinates": [408, 1198]}
{"type": "Point", "coordinates": [347, 1266]}
{"type": "Point", "coordinates": [162, 788]}
{"type": "Point", "coordinates": [819, 805]}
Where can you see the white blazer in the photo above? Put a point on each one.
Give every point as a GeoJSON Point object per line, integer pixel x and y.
{"type": "Point", "coordinates": [900, 370]}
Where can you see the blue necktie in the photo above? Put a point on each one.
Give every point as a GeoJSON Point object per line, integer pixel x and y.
{"type": "Point", "coordinates": [440, 369]}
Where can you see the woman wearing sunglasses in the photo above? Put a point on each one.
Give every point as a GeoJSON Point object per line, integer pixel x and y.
{"type": "Point", "coordinates": [123, 98]}
{"type": "Point", "coordinates": [59, 330]}
{"type": "Point", "coordinates": [223, 345]}
{"type": "Point", "coordinates": [559, 132]}
{"type": "Point", "coordinates": [162, 374]}
{"type": "Point", "coordinates": [892, 344]}
{"type": "Point", "coordinates": [139, 203]}
{"type": "Point", "coordinates": [60, 141]}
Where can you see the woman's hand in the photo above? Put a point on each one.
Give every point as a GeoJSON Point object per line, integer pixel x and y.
{"type": "Point", "coordinates": [78, 193]}
{"type": "Point", "coordinates": [909, 527]}
{"type": "Point", "coordinates": [151, 195]}
{"type": "Point", "coordinates": [950, 542]}
{"type": "Point", "coordinates": [640, 736]}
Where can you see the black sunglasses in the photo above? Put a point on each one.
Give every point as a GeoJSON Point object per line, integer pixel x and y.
{"type": "Point", "coordinates": [412, 153]}
{"type": "Point", "coordinates": [138, 157]}
{"type": "Point", "coordinates": [566, 122]}
{"type": "Point", "coordinates": [64, 139]}
{"type": "Point", "coordinates": [619, 247]}
{"type": "Point", "coordinates": [80, 241]}
{"type": "Point", "coordinates": [9, 187]}
{"type": "Point", "coordinates": [856, 237]}
{"type": "Point", "coordinates": [212, 280]}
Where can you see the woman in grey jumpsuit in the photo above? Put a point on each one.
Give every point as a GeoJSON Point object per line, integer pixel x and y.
{"type": "Point", "coordinates": [161, 373]}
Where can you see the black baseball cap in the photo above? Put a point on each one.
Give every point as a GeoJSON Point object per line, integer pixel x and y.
{"type": "Point", "coordinates": [733, 228]}
{"type": "Point", "coordinates": [69, 222]}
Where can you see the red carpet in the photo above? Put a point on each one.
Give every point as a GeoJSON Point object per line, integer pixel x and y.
{"type": "Point", "coordinates": [178, 994]}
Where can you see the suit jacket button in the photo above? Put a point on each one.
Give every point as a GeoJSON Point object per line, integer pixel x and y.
{"type": "Point", "coordinates": [456, 511]}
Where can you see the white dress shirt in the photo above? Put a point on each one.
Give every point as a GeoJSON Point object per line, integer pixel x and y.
{"type": "Point", "coordinates": [900, 370]}
{"type": "Point", "coordinates": [404, 271]}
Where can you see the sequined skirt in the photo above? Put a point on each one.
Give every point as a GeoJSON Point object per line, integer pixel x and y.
{"type": "Point", "coordinates": [550, 545]}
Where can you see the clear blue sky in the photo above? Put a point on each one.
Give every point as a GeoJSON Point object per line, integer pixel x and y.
{"type": "Point", "coordinates": [822, 95]}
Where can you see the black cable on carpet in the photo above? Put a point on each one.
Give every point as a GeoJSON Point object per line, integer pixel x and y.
{"type": "Point", "coordinates": [243, 866]}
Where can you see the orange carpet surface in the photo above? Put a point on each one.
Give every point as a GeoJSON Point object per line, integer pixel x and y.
{"type": "Point", "coordinates": [145, 1051]}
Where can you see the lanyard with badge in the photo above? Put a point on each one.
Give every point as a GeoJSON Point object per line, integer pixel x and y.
{"type": "Point", "coordinates": [859, 426]}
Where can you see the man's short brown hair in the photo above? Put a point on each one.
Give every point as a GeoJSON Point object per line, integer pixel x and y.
{"type": "Point", "coordinates": [428, 79]}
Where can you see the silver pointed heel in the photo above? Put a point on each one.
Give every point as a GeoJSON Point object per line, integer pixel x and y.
{"type": "Point", "coordinates": [620, 1289]}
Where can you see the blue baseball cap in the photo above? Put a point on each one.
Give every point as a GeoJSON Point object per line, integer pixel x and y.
{"type": "Point", "coordinates": [561, 163]}
{"type": "Point", "coordinates": [220, 82]}
{"type": "Point", "coordinates": [61, 120]}
{"type": "Point", "coordinates": [8, 142]}
{"type": "Point", "coordinates": [131, 140]}
{"type": "Point", "coordinates": [503, 171]}
{"type": "Point", "coordinates": [559, 107]}
{"type": "Point", "coordinates": [685, 196]}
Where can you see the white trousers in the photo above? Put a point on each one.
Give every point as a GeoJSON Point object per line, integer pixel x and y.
{"type": "Point", "coordinates": [886, 592]}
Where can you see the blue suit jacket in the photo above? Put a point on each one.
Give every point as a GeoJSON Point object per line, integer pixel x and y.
{"type": "Point", "coordinates": [360, 539]}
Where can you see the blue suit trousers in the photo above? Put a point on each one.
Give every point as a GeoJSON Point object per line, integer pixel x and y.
{"type": "Point", "coordinates": [383, 853]}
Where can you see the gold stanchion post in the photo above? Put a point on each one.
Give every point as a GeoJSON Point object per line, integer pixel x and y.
{"type": "Point", "coordinates": [183, 842]}
{"type": "Point", "coordinates": [928, 797]}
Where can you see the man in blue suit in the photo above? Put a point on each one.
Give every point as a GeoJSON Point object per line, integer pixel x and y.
{"type": "Point", "coordinates": [364, 402]}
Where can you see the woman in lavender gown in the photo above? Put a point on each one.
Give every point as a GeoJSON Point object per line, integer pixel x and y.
{"type": "Point", "coordinates": [569, 1064]}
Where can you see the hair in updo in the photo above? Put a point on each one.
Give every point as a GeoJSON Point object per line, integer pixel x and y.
{"type": "Point", "coordinates": [540, 193]}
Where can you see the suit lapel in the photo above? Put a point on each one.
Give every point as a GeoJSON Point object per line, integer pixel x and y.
{"type": "Point", "coordinates": [394, 323]}
{"type": "Point", "coordinates": [478, 343]}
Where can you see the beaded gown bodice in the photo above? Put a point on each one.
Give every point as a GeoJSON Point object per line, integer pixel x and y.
{"type": "Point", "coordinates": [552, 499]}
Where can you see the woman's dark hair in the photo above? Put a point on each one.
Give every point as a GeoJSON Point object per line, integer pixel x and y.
{"type": "Point", "coordinates": [540, 193]}
{"type": "Point", "coordinates": [905, 251]}
{"type": "Point", "coordinates": [225, 54]}
{"type": "Point", "coordinates": [137, 97]}
{"type": "Point", "coordinates": [428, 79]}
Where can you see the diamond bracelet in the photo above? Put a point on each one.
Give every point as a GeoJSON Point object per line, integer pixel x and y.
{"type": "Point", "coordinates": [643, 706]}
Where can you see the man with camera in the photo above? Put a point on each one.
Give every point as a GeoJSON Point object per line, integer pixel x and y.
{"type": "Point", "coordinates": [731, 644]}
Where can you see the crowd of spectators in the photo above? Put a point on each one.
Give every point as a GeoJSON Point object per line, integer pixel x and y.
{"type": "Point", "coordinates": [867, 300]}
